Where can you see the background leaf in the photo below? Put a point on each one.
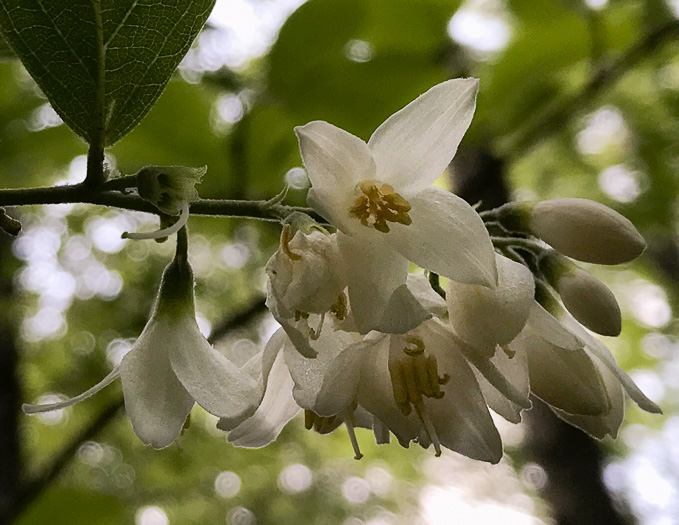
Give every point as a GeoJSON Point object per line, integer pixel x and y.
{"type": "Point", "coordinates": [102, 64]}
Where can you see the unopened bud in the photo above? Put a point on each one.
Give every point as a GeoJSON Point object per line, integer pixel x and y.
{"type": "Point", "coordinates": [168, 187]}
{"type": "Point", "coordinates": [586, 230]}
{"type": "Point", "coordinates": [589, 300]}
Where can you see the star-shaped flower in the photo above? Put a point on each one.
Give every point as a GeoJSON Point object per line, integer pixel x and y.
{"type": "Point", "coordinates": [380, 196]}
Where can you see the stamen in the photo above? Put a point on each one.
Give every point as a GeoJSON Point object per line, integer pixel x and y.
{"type": "Point", "coordinates": [429, 427]}
{"type": "Point", "coordinates": [163, 232]}
{"type": "Point", "coordinates": [339, 309]}
{"type": "Point", "coordinates": [315, 334]}
{"type": "Point", "coordinates": [286, 237]}
{"type": "Point", "coordinates": [349, 423]}
{"type": "Point", "coordinates": [375, 206]}
{"type": "Point", "coordinates": [508, 351]}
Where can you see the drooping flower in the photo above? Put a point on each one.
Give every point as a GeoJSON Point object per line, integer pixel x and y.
{"type": "Point", "coordinates": [171, 366]}
{"type": "Point", "coordinates": [570, 370]}
{"type": "Point", "coordinates": [379, 196]}
{"type": "Point", "coordinates": [419, 386]}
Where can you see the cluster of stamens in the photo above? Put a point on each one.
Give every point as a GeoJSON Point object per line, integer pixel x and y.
{"type": "Point", "coordinates": [340, 308]}
{"type": "Point", "coordinates": [415, 376]}
{"type": "Point", "coordinates": [375, 206]}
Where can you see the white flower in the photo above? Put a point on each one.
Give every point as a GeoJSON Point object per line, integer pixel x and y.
{"type": "Point", "coordinates": [418, 385]}
{"type": "Point", "coordinates": [172, 365]}
{"type": "Point", "coordinates": [379, 196]}
{"type": "Point", "coordinates": [570, 370]}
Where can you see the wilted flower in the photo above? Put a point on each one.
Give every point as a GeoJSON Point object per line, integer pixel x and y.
{"type": "Point", "coordinates": [171, 189]}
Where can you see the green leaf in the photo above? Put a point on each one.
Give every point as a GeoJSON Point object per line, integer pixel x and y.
{"type": "Point", "coordinates": [102, 63]}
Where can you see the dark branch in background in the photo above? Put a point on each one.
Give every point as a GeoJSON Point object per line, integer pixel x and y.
{"type": "Point", "coordinates": [559, 112]}
{"type": "Point", "coordinates": [10, 390]}
{"type": "Point", "coordinates": [30, 491]}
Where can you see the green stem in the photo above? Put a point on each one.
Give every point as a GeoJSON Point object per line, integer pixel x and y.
{"type": "Point", "coordinates": [81, 193]}
{"type": "Point", "coordinates": [528, 244]}
{"type": "Point", "coordinates": [97, 135]}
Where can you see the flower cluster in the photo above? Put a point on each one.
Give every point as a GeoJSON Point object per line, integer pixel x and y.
{"type": "Point", "coordinates": [365, 342]}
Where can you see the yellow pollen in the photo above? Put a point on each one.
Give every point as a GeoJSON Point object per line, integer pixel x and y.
{"type": "Point", "coordinates": [322, 425]}
{"type": "Point", "coordinates": [340, 307]}
{"type": "Point", "coordinates": [415, 376]}
{"type": "Point", "coordinates": [375, 206]}
{"type": "Point", "coordinates": [286, 237]}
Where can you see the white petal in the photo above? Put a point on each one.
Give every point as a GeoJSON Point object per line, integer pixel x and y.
{"type": "Point", "coordinates": [155, 401]}
{"type": "Point", "coordinates": [374, 272]}
{"type": "Point", "coordinates": [47, 407]}
{"type": "Point", "coordinates": [606, 425]}
{"type": "Point", "coordinates": [430, 300]}
{"type": "Point", "coordinates": [414, 145]}
{"type": "Point", "coordinates": [402, 313]}
{"type": "Point", "coordinates": [442, 334]}
{"type": "Point", "coordinates": [598, 349]}
{"type": "Point", "coordinates": [375, 394]}
{"type": "Point", "coordinates": [335, 161]}
{"type": "Point", "coordinates": [447, 237]}
{"type": "Point", "coordinates": [216, 383]}
{"type": "Point", "coordinates": [277, 408]}
{"type": "Point", "coordinates": [486, 317]}
{"type": "Point", "coordinates": [515, 372]}
{"type": "Point", "coordinates": [562, 377]}
{"type": "Point", "coordinates": [461, 417]}
{"type": "Point", "coordinates": [327, 384]}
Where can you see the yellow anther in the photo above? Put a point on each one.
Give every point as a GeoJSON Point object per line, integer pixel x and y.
{"type": "Point", "coordinates": [508, 351]}
{"type": "Point", "coordinates": [375, 206]}
{"type": "Point", "coordinates": [340, 307]}
{"type": "Point", "coordinates": [299, 315]}
{"type": "Point", "coordinates": [322, 425]}
{"type": "Point", "coordinates": [286, 237]}
{"type": "Point", "coordinates": [415, 376]}
{"type": "Point", "coordinates": [416, 348]}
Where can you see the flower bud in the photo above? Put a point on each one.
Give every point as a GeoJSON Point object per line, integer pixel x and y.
{"type": "Point", "coordinates": [586, 230]}
{"type": "Point", "coordinates": [589, 300]}
{"type": "Point", "coordinates": [169, 187]}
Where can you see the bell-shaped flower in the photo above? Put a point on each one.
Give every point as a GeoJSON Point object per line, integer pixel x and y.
{"type": "Point", "coordinates": [380, 196]}
{"type": "Point", "coordinates": [570, 370]}
{"type": "Point", "coordinates": [171, 366]}
{"type": "Point", "coordinates": [618, 386]}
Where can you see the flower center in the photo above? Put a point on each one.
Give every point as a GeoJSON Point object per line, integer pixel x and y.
{"type": "Point", "coordinates": [375, 206]}
{"type": "Point", "coordinates": [415, 376]}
